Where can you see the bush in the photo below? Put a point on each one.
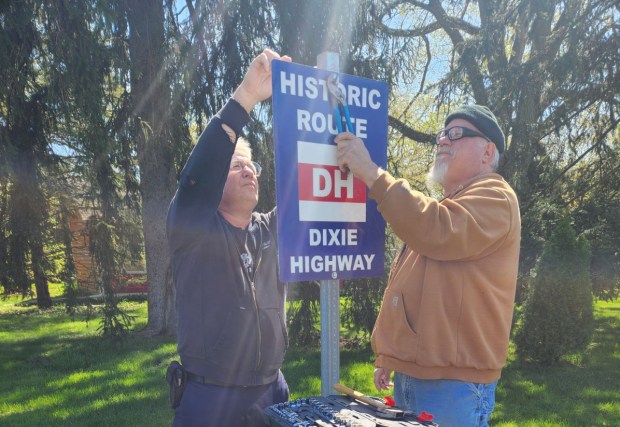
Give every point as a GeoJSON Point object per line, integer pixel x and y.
{"type": "Point", "coordinates": [558, 313]}
{"type": "Point", "coordinates": [303, 315]}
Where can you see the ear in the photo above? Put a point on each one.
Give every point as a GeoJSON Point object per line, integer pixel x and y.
{"type": "Point", "coordinates": [489, 153]}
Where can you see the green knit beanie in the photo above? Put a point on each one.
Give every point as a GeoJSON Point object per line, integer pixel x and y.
{"type": "Point", "coordinates": [481, 117]}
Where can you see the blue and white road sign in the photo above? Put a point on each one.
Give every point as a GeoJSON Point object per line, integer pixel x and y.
{"type": "Point", "coordinates": [327, 226]}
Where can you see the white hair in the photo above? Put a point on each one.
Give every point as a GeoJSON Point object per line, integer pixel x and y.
{"type": "Point", "coordinates": [495, 162]}
{"type": "Point", "coordinates": [243, 147]}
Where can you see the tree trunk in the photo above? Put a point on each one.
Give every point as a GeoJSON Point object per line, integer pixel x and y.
{"type": "Point", "coordinates": [28, 207]}
{"type": "Point", "coordinates": [44, 300]}
{"type": "Point", "coordinates": [151, 105]}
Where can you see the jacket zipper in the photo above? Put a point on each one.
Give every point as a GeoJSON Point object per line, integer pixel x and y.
{"type": "Point", "coordinates": [250, 278]}
{"type": "Point", "coordinates": [259, 253]}
{"type": "Point", "coordinates": [260, 335]}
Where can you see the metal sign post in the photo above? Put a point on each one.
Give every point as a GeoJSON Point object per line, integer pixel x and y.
{"type": "Point", "coordinates": [330, 293]}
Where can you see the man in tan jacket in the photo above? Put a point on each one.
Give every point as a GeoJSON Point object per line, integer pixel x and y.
{"type": "Point", "coordinates": [444, 323]}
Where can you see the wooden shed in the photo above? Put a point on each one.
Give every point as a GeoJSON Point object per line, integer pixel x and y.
{"type": "Point", "coordinates": [132, 281]}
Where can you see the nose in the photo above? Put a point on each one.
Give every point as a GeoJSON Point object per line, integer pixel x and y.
{"type": "Point", "coordinates": [248, 169]}
{"type": "Point", "coordinates": [443, 140]}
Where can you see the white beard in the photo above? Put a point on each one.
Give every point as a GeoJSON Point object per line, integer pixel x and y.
{"type": "Point", "coordinates": [437, 174]}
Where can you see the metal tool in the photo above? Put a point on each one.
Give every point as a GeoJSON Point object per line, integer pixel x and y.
{"type": "Point", "coordinates": [339, 105]}
{"type": "Point", "coordinates": [382, 408]}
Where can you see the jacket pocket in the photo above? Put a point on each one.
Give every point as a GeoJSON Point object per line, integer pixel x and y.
{"type": "Point", "coordinates": [274, 338]}
{"type": "Point", "coordinates": [394, 335]}
{"type": "Point", "coordinates": [236, 344]}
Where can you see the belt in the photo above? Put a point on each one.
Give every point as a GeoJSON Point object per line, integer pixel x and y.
{"type": "Point", "coordinates": [204, 380]}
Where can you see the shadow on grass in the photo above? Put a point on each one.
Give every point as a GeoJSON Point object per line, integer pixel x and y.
{"type": "Point", "coordinates": [566, 394]}
{"type": "Point", "coordinates": [56, 372]}
{"type": "Point", "coordinates": [87, 381]}
{"type": "Point", "coordinates": [69, 376]}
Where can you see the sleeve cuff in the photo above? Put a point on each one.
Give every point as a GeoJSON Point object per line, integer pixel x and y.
{"type": "Point", "coordinates": [380, 186]}
{"type": "Point", "coordinates": [234, 115]}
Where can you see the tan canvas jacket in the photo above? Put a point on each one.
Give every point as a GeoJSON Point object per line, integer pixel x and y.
{"type": "Point", "coordinates": [447, 309]}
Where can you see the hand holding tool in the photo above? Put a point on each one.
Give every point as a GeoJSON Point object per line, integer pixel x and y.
{"type": "Point", "coordinates": [339, 105]}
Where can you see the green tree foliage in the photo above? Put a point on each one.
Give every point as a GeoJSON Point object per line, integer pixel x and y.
{"type": "Point", "coordinates": [85, 41]}
{"type": "Point", "coordinates": [596, 200]}
{"type": "Point", "coordinates": [558, 314]}
{"type": "Point", "coordinates": [303, 315]}
{"type": "Point", "coordinates": [362, 301]}
{"type": "Point", "coordinates": [548, 69]}
{"type": "Point", "coordinates": [62, 72]}
{"type": "Point", "coordinates": [154, 125]}
{"type": "Point", "coordinates": [125, 87]}
{"type": "Point", "coordinates": [26, 124]}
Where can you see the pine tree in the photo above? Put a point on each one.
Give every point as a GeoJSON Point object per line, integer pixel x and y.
{"type": "Point", "coordinates": [558, 313]}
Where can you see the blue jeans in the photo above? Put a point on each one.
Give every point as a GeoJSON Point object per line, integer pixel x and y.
{"type": "Point", "coordinates": [453, 403]}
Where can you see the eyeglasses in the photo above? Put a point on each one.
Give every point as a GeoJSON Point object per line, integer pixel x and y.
{"type": "Point", "coordinates": [457, 132]}
{"type": "Point", "coordinates": [237, 165]}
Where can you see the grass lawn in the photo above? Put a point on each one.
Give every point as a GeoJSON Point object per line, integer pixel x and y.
{"type": "Point", "coordinates": [59, 372]}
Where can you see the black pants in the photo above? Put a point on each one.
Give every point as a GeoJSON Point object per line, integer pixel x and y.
{"type": "Point", "coordinates": [207, 405]}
